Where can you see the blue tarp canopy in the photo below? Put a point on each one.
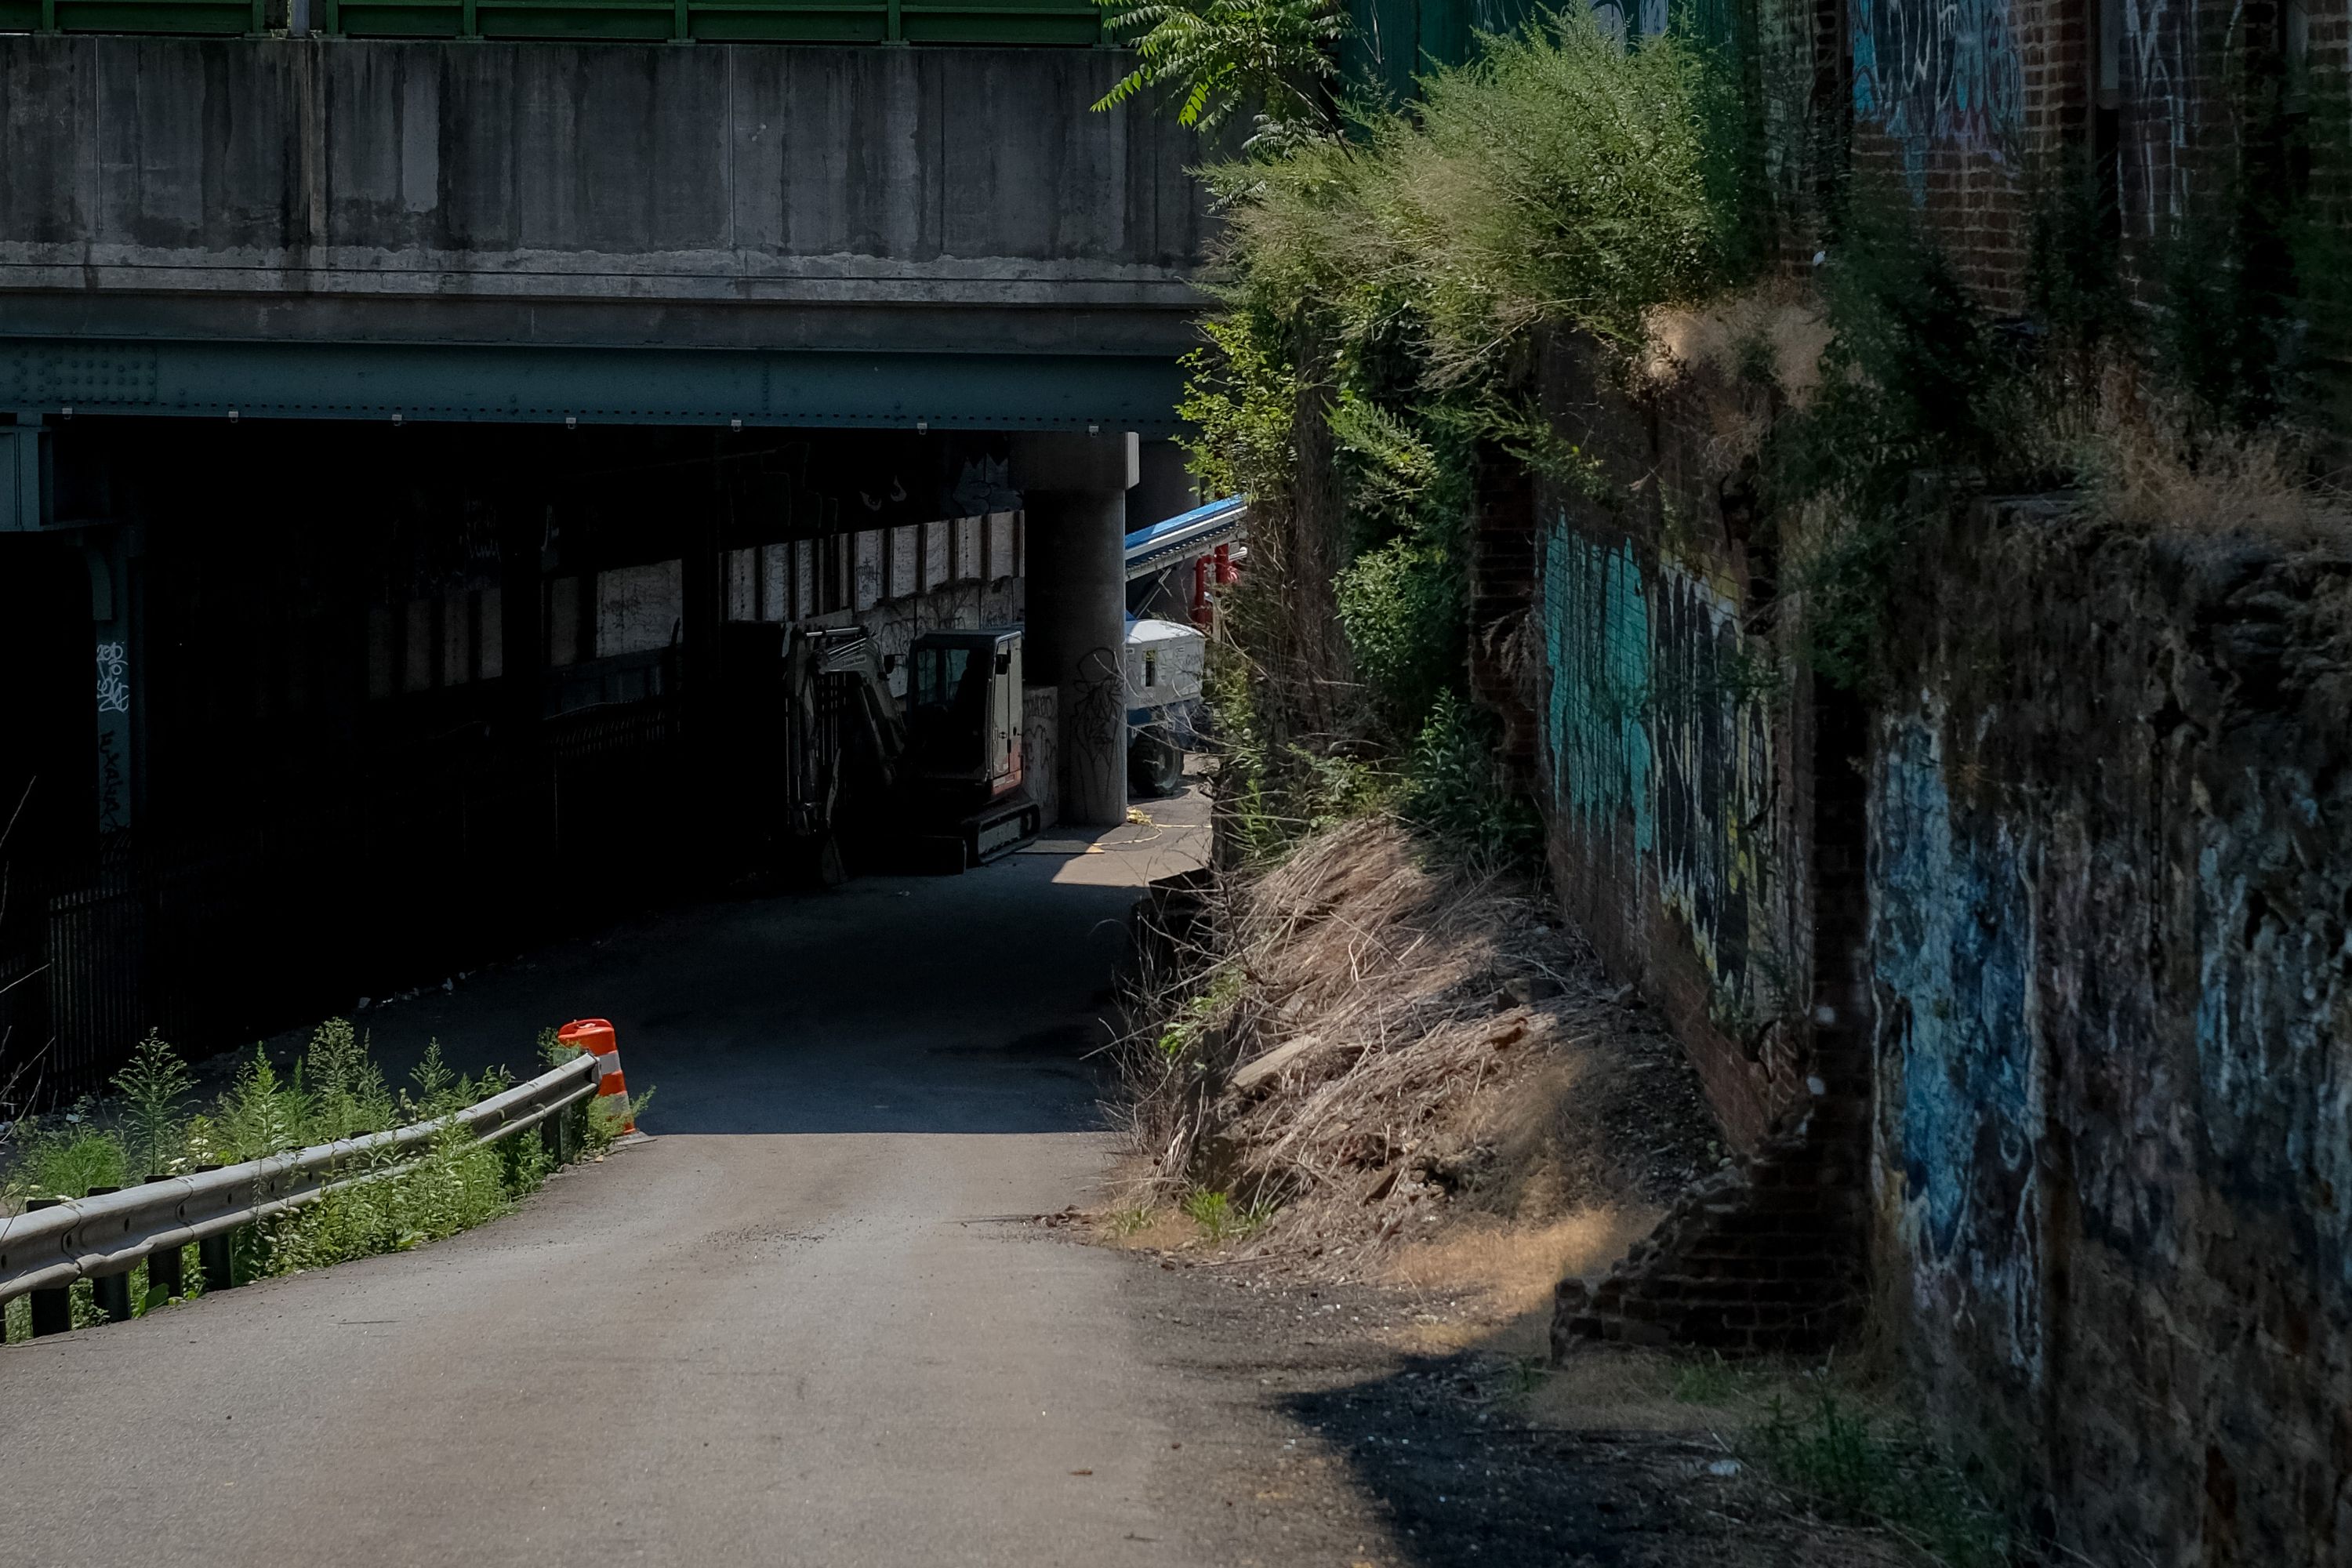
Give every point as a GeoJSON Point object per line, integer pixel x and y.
{"type": "Point", "coordinates": [1185, 535]}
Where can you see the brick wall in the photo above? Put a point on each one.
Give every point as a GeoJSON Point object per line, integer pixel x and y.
{"type": "Point", "coordinates": [2066, 1098]}
{"type": "Point", "coordinates": [2110, 840]}
{"type": "Point", "coordinates": [1982, 111]}
{"type": "Point", "coordinates": [1667, 737]}
{"type": "Point", "coordinates": [2023, 994]}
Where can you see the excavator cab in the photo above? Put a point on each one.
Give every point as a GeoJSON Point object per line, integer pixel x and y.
{"type": "Point", "coordinates": [935, 783]}
{"type": "Point", "coordinates": [963, 712]}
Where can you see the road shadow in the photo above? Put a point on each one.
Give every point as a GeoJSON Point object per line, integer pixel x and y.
{"type": "Point", "coordinates": [972, 1003]}
{"type": "Point", "coordinates": [1476, 1460]}
{"type": "Point", "coordinates": [1464, 1485]}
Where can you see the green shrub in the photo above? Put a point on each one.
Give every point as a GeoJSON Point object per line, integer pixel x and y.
{"type": "Point", "coordinates": [1400, 605]}
{"type": "Point", "coordinates": [1562, 179]}
{"type": "Point", "coordinates": [1219, 55]}
{"type": "Point", "coordinates": [1455, 792]}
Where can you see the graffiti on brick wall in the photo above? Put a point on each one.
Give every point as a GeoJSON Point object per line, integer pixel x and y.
{"type": "Point", "coordinates": [1597, 633]}
{"type": "Point", "coordinates": [2154, 70]}
{"type": "Point", "coordinates": [1937, 75]}
{"type": "Point", "coordinates": [1711, 734]}
{"type": "Point", "coordinates": [1660, 745]}
{"type": "Point", "coordinates": [2274, 966]}
{"type": "Point", "coordinates": [1952, 946]}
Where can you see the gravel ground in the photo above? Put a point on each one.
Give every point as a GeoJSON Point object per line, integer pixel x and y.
{"type": "Point", "coordinates": [1311, 1436]}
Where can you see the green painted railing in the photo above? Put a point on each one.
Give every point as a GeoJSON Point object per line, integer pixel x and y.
{"type": "Point", "coordinates": [1074, 23]}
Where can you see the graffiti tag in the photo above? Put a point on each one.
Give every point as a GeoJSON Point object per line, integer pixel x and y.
{"type": "Point", "coordinates": [1938, 76]}
{"type": "Point", "coordinates": [110, 784]}
{"type": "Point", "coordinates": [113, 682]}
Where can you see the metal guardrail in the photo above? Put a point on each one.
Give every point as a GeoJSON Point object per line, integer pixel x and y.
{"type": "Point", "coordinates": [95, 1237]}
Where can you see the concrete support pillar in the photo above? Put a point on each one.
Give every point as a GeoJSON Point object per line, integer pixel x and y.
{"type": "Point", "coordinates": [1164, 487]}
{"type": "Point", "coordinates": [1073, 496]}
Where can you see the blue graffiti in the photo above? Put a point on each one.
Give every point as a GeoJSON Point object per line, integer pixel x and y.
{"type": "Point", "coordinates": [1941, 75]}
{"type": "Point", "coordinates": [1952, 946]}
{"type": "Point", "coordinates": [1597, 629]}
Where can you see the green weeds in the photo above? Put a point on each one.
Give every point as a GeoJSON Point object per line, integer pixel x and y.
{"type": "Point", "coordinates": [1210, 1008]}
{"type": "Point", "coordinates": [1710, 1381]}
{"type": "Point", "coordinates": [1455, 792]}
{"type": "Point", "coordinates": [332, 1091]}
{"type": "Point", "coordinates": [1850, 1468]}
{"type": "Point", "coordinates": [1221, 1221]}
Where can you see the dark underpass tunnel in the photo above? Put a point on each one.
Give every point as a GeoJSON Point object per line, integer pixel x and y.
{"type": "Point", "coordinates": [47, 746]}
{"type": "Point", "coordinates": [390, 703]}
{"type": "Point", "coordinates": [974, 1003]}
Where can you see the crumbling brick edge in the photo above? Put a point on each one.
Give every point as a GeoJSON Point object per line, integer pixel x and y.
{"type": "Point", "coordinates": [1767, 1254]}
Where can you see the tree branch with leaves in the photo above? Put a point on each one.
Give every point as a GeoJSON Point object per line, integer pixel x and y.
{"type": "Point", "coordinates": [1275, 57]}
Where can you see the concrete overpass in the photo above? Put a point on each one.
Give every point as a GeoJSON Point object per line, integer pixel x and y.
{"type": "Point", "coordinates": [633, 233]}
{"type": "Point", "coordinates": [398, 423]}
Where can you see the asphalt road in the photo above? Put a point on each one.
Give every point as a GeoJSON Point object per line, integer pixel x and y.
{"type": "Point", "coordinates": [802, 1324]}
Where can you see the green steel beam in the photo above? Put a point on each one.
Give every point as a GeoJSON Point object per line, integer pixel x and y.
{"type": "Point", "coordinates": [1068, 23]}
{"type": "Point", "coordinates": [22, 508]}
{"type": "Point", "coordinates": [591, 385]}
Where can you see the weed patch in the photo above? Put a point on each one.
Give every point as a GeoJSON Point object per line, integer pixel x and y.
{"type": "Point", "coordinates": [332, 1091]}
{"type": "Point", "coordinates": [1852, 1468]}
{"type": "Point", "coordinates": [1219, 1220]}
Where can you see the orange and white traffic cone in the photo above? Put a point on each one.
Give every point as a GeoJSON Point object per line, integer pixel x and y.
{"type": "Point", "coordinates": [595, 1037]}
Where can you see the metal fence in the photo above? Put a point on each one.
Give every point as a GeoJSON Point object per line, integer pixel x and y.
{"type": "Point", "coordinates": [1069, 23]}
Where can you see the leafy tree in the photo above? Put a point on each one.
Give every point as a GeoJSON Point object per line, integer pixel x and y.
{"type": "Point", "coordinates": [1274, 56]}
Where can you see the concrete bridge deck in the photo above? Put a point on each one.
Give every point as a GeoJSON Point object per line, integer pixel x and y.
{"type": "Point", "coordinates": [940, 235]}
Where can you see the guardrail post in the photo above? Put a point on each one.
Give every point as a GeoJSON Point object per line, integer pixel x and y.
{"type": "Point", "coordinates": [52, 1308]}
{"type": "Point", "coordinates": [111, 1291]}
{"type": "Point", "coordinates": [896, 31]}
{"type": "Point", "coordinates": [215, 1259]}
{"type": "Point", "coordinates": [164, 1270]}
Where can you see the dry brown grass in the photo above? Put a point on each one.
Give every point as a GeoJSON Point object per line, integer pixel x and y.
{"type": "Point", "coordinates": [1780, 320]}
{"type": "Point", "coordinates": [1410, 1062]}
{"type": "Point", "coordinates": [1510, 1269]}
{"type": "Point", "coordinates": [1705, 357]}
{"type": "Point", "coordinates": [2151, 466]}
